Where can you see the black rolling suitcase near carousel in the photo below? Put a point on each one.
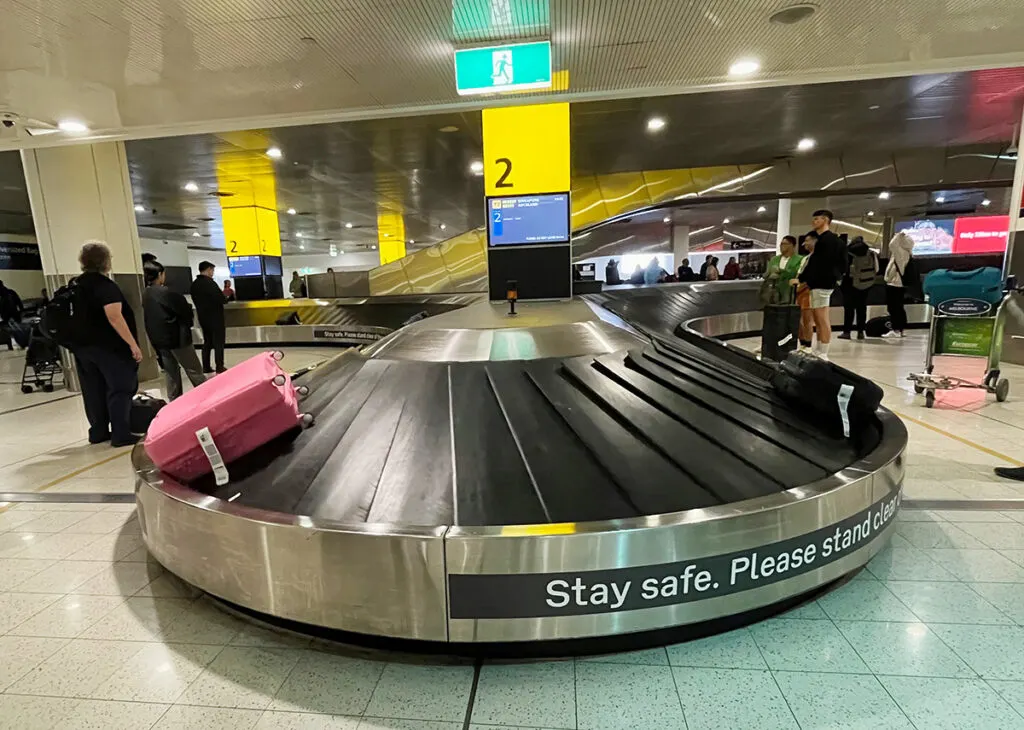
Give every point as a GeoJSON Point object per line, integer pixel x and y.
{"type": "Point", "coordinates": [780, 329]}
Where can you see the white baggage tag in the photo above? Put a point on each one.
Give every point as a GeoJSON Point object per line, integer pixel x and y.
{"type": "Point", "coordinates": [845, 392]}
{"type": "Point", "coordinates": [785, 339]}
{"type": "Point", "coordinates": [220, 472]}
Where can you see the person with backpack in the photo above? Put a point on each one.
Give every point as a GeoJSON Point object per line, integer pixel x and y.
{"type": "Point", "coordinates": [168, 319]}
{"type": "Point", "coordinates": [899, 275]}
{"type": "Point", "coordinates": [859, 279]}
{"type": "Point", "coordinates": [92, 318]}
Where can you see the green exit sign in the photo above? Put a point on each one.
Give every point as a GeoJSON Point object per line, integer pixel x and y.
{"type": "Point", "coordinates": [495, 69]}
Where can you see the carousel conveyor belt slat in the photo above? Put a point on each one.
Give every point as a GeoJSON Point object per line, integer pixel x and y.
{"type": "Point", "coordinates": [570, 483]}
{"type": "Point", "coordinates": [720, 473]}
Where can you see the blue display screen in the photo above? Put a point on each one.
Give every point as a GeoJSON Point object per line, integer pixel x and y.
{"type": "Point", "coordinates": [242, 266]}
{"type": "Point", "coordinates": [528, 219]}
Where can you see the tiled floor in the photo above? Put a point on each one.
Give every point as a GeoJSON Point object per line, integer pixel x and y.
{"type": "Point", "coordinates": [93, 634]}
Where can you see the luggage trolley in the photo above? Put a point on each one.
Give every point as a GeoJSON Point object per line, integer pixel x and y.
{"type": "Point", "coordinates": [965, 327]}
{"type": "Point", "coordinates": [42, 361]}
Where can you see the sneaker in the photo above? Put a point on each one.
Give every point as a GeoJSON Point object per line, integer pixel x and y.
{"type": "Point", "coordinates": [844, 336]}
{"type": "Point", "coordinates": [892, 335]}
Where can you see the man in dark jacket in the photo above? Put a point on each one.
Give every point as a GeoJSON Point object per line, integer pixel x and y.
{"type": "Point", "coordinates": [209, 303]}
{"type": "Point", "coordinates": [823, 271]}
{"type": "Point", "coordinates": [169, 326]}
{"type": "Point", "coordinates": [685, 272]}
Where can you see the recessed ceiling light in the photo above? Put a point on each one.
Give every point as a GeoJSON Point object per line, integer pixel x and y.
{"type": "Point", "coordinates": [387, 235]}
{"type": "Point", "coordinates": [291, 211]}
{"type": "Point", "coordinates": [884, 195]}
{"type": "Point", "coordinates": [191, 187]}
{"type": "Point", "coordinates": [299, 234]}
{"type": "Point", "coordinates": [762, 209]}
{"type": "Point", "coordinates": [195, 234]}
{"type": "Point", "coordinates": [275, 153]}
{"type": "Point", "coordinates": [874, 107]}
{"type": "Point", "coordinates": [745, 67]}
{"type": "Point", "coordinates": [140, 209]}
{"type": "Point", "coordinates": [476, 167]}
{"type": "Point", "coordinates": [302, 247]}
{"type": "Point", "coordinates": [805, 144]}
{"type": "Point", "coordinates": [725, 221]}
{"type": "Point", "coordinates": [443, 227]}
{"type": "Point", "coordinates": [870, 213]}
{"type": "Point", "coordinates": [348, 225]}
{"type": "Point", "coordinates": [373, 247]}
{"type": "Point", "coordinates": [411, 242]}
{"type": "Point", "coordinates": [655, 124]}
{"type": "Point", "coordinates": [666, 219]}
{"type": "Point", "coordinates": [793, 14]}
{"type": "Point", "coordinates": [940, 199]}
{"type": "Point", "coordinates": [72, 126]}
{"type": "Point", "coordinates": [986, 202]}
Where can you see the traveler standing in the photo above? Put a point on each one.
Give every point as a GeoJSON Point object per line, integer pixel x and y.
{"type": "Point", "coordinates": [803, 294]}
{"type": "Point", "coordinates": [897, 277]}
{"type": "Point", "coordinates": [732, 270]}
{"type": "Point", "coordinates": [684, 272]}
{"type": "Point", "coordinates": [637, 277]}
{"type": "Point", "coordinates": [860, 277]}
{"type": "Point", "coordinates": [782, 269]}
{"type": "Point", "coordinates": [821, 274]}
{"type": "Point", "coordinates": [611, 273]}
{"type": "Point", "coordinates": [297, 287]}
{"type": "Point", "coordinates": [168, 319]}
{"type": "Point", "coordinates": [653, 272]}
{"type": "Point", "coordinates": [107, 353]}
{"type": "Point", "coordinates": [712, 271]}
{"type": "Point", "coordinates": [209, 303]}
{"type": "Point", "coordinates": [229, 293]}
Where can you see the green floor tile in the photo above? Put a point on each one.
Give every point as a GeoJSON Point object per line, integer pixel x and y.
{"type": "Point", "coordinates": [951, 704]}
{"type": "Point", "coordinates": [903, 649]}
{"type": "Point", "coordinates": [841, 701]}
{"type": "Point", "coordinates": [731, 698]}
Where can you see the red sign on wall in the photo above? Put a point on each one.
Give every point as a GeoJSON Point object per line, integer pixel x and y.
{"type": "Point", "coordinates": [982, 234]}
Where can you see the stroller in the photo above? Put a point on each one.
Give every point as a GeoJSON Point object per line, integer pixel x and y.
{"type": "Point", "coordinates": [42, 361]}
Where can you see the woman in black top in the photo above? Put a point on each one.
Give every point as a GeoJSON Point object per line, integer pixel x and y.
{"type": "Point", "coordinates": [107, 360]}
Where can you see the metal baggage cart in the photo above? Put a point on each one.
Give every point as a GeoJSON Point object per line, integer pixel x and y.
{"type": "Point", "coordinates": [970, 328]}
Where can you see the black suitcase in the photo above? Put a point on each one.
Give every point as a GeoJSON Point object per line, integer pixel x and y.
{"type": "Point", "coordinates": [877, 326]}
{"type": "Point", "coordinates": [780, 331]}
{"type": "Point", "coordinates": [839, 399]}
{"type": "Point", "coordinates": [144, 410]}
{"type": "Point", "coordinates": [288, 319]}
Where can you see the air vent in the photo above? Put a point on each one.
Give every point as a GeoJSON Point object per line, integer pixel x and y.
{"type": "Point", "coordinates": [793, 14]}
{"type": "Point", "coordinates": [220, 194]}
{"type": "Point", "coordinates": [168, 227]}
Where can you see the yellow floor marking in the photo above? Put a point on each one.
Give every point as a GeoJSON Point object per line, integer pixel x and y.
{"type": "Point", "coordinates": [71, 475]}
{"type": "Point", "coordinates": [961, 439]}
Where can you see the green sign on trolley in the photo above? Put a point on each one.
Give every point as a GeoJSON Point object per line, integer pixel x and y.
{"type": "Point", "coordinates": [495, 69]}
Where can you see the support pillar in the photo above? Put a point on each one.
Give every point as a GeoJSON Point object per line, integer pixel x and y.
{"type": "Point", "coordinates": [80, 193]}
{"type": "Point", "coordinates": [680, 244]}
{"type": "Point", "coordinates": [1013, 263]}
{"type": "Point", "coordinates": [782, 223]}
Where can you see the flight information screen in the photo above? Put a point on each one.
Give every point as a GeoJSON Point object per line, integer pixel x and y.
{"type": "Point", "coordinates": [528, 219]}
{"type": "Point", "coordinates": [245, 266]}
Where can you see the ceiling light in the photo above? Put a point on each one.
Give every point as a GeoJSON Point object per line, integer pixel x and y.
{"type": "Point", "coordinates": [443, 227]}
{"type": "Point", "coordinates": [884, 195]}
{"type": "Point", "coordinates": [805, 144]}
{"type": "Point", "coordinates": [666, 219]}
{"type": "Point", "coordinates": [348, 225]}
{"type": "Point", "coordinates": [986, 202]}
{"type": "Point", "coordinates": [762, 209]}
{"type": "Point", "coordinates": [191, 187]}
{"type": "Point", "coordinates": [793, 14]}
{"type": "Point", "coordinates": [299, 234]}
{"type": "Point", "coordinates": [655, 124]}
{"type": "Point", "coordinates": [873, 107]}
{"type": "Point", "coordinates": [302, 247]}
{"type": "Point", "coordinates": [387, 235]}
{"type": "Point", "coordinates": [72, 126]}
{"type": "Point", "coordinates": [140, 209]}
{"type": "Point", "coordinates": [476, 167]}
{"type": "Point", "coordinates": [291, 211]}
{"type": "Point", "coordinates": [940, 199]}
{"type": "Point", "coordinates": [275, 153]}
{"type": "Point", "coordinates": [870, 213]}
{"type": "Point", "coordinates": [373, 247]}
{"type": "Point", "coordinates": [195, 234]}
{"type": "Point", "coordinates": [745, 67]}
{"type": "Point", "coordinates": [725, 221]}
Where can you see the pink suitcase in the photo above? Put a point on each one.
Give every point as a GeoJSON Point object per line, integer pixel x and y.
{"type": "Point", "coordinates": [224, 419]}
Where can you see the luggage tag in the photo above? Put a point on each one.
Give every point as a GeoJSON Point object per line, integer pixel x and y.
{"type": "Point", "coordinates": [220, 472]}
{"type": "Point", "coordinates": [785, 339]}
{"type": "Point", "coordinates": [845, 392]}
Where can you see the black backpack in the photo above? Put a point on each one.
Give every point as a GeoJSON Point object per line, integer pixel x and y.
{"type": "Point", "coordinates": [63, 319]}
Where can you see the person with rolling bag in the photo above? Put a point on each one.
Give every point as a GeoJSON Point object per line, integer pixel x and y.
{"type": "Point", "coordinates": [781, 318]}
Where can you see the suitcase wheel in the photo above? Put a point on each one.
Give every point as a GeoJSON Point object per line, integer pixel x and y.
{"type": "Point", "coordinates": [277, 355]}
{"type": "Point", "coordinates": [307, 420]}
{"type": "Point", "coordinates": [302, 390]}
{"type": "Point", "coordinates": [279, 380]}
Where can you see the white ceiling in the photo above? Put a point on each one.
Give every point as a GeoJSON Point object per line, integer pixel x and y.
{"type": "Point", "coordinates": [138, 68]}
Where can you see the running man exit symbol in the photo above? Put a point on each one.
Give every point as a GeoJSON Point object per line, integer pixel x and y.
{"type": "Point", "coordinates": [501, 60]}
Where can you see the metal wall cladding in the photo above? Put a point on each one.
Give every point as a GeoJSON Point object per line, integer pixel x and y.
{"type": "Point", "coordinates": [623, 238]}
{"type": "Point", "coordinates": [465, 258]}
{"type": "Point", "coordinates": [389, 279]}
{"type": "Point", "coordinates": [426, 272]}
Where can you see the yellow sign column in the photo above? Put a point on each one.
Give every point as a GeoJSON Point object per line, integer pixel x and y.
{"type": "Point", "coordinates": [527, 167]}
{"type": "Point", "coordinates": [246, 181]}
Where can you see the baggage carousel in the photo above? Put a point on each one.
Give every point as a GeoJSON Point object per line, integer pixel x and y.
{"type": "Point", "coordinates": [592, 470]}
